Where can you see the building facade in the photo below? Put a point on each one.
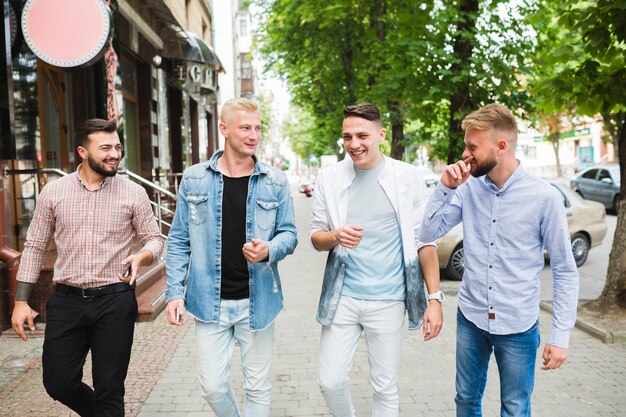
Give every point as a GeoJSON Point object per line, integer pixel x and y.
{"type": "Point", "coordinates": [153, 69]}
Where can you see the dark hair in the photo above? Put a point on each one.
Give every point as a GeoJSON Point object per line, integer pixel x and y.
{"type": "Point", "coordinates": [365, 111]}
{"type": "Point", "coordinates": [90, 126]}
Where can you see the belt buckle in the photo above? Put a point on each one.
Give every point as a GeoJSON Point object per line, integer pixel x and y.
{"type": "Point", "coordinates": [82, 293]}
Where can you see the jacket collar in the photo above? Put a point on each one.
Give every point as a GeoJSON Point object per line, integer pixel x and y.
{"type": "Point", "coordinates": [259, 167]}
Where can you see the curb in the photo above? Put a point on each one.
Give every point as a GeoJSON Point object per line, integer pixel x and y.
{"type": "Point", "coordinates": [590, 328]}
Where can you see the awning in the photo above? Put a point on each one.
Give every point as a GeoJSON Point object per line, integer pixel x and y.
{"type": "Point", "coordinates": [188, 46]}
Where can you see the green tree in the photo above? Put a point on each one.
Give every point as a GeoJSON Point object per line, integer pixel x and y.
{"type": "Point", "coordinates": [312, 46]}
{"type": "Point", "coordinates": [592, 74]}
{"type": "Point", "coordinates": [298, 129]}
{"type": "Point", "coordinates": [407, 57]}
{"type": "Point", "coordinates": [484, 47]}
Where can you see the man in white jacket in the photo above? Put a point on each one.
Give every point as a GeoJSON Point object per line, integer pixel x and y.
{"type": "Point", "coordinates": [366, 212]}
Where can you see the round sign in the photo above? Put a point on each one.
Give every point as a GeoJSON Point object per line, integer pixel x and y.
{"type": "Point", "coordinates": [66, 33]}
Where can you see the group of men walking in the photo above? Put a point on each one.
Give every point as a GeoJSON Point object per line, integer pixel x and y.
{"type": "Point", "coordinates": [235, 221]}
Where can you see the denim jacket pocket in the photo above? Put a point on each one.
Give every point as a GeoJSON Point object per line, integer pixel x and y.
{"type": "Point", "coordinates": [266, 214]}
{"type": "Point", "coordinates": [198, 209]}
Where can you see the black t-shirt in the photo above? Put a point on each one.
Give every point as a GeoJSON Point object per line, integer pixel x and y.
{"type": "Point", "coordinates": [235, 277]}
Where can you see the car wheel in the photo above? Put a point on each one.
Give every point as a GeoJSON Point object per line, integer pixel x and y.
{"type": "Point", "coordinates": [580, 248]}
{"type": "Point", "coordinates": [616, 203]}
{"type": "Point", "coordinates": [456, 265]}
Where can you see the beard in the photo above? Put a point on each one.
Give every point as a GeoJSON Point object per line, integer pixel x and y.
{"type": "Point", "coordinates": [484, 167]}
{"type": "Point", "coordinates": [100, 168]}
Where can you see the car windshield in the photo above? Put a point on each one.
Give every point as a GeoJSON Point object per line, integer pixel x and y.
{"type": "Point", "coordinates": [615, 175]}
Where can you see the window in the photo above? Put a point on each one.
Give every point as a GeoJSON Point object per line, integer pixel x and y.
{"type": "Point", "coordinates": [243, 26]}
{"type": "Point", "coordinates": [591, 174]}
{"type": "Point", "coordinates": [246, 70]}
{"type": "Point", "coordinates": [604, 174]}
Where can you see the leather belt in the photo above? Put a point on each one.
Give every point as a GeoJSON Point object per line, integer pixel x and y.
{"type": "Point", "coordinates": [94, 292]}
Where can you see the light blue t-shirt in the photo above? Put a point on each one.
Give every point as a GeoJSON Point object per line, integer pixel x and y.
{"type": "Point", "coordinates": [375, 267]}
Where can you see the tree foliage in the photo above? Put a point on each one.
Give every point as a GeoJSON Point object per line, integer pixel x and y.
{"type": "Point", "coordinates": [588, 70]}
{"type": "Point", "coordinates": [298, 128]}
{"type": "Point", "coordinates": [430, 61]}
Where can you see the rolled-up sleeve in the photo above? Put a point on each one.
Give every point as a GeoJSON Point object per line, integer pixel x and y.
{"type": "Point", "coordinates": [146, 227]}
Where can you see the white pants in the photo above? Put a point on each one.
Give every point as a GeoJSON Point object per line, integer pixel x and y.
{"type": "Point", "coordinates": [216, 342]}
{"type": "Point", "coordinates": [382, 322]}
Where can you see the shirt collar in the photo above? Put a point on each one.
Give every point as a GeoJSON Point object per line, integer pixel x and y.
{"type": "Point", "coordinates": [105, 180]}
{"type": "Point", "coordinates": [517, 174]}
{"type": "Point", "coordinates": [259, 168]}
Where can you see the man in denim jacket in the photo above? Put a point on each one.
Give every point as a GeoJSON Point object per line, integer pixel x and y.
{"type": "Point", "coordinates": [234, 221]}
{"type": "Point", "coordinates": [366, 211]}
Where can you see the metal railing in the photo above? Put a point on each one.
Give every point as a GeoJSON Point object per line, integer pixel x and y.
{"type": "Point", "coordinates": [163, 202]}
{"type": "Point", "coordinates": [164, 199]}
{"type": "Point", "coordinates": [36, 172]}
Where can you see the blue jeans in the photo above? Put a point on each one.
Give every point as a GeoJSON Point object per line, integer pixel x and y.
{"type": "Point", "coordinates": [216, 342]}
{"type": "Point", "coordinates": [515, 356]}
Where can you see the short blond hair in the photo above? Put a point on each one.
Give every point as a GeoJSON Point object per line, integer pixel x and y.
{"type": "Point", "coordinates": [493, 116]}
{"type": "Point", "coordinates": [238, 104]}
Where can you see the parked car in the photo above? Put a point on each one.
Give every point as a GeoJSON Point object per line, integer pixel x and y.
{"type": "Point", "coordinates": [586, 222]}
{"type": "Point", "coordinates": [599, 183]}
{"type": "Point", "coordinates": [306, 187]}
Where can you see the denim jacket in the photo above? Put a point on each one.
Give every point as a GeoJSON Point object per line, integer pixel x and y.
{"type": "Point", "coordinates": [403, 185]}
{"type": "Point", "coordinates": [194, 241]}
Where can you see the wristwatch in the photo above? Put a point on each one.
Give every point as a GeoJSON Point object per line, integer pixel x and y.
{"type": "Point", "coordinates": [439, 296]}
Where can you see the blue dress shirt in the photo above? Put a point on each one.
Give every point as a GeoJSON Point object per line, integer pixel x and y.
{"type": "Point", "coordinates": [505, 232]}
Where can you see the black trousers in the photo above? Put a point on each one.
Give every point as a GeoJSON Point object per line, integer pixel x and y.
{"type": "Point", "coordinates": [105, 325]}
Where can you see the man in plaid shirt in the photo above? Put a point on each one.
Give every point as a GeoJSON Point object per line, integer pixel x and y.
{"type": "Point", "coordinates": [94, 216]}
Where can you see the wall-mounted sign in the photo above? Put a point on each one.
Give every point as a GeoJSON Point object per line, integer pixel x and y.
{"type": "Point", "coordinates": [67, 33]}
{"type": "Point", "coordinates": [196, 75]}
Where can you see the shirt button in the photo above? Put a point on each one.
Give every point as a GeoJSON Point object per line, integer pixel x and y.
{"type": "Point", "coordinates": [491, 243]}
{"type": "Point", "coordinates": [494, 220]}
{"type": "Point", "coordinates": [491, 308]}
{"type": "Point", "coordinates": [490, 266]}
{"type": "Point", "coordinates": [489, 287]}
{"type": "Point", "coordinates": [498, 195]}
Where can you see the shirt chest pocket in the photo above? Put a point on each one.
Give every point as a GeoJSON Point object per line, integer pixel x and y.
{"type": "Point", "coordinates": [198, 208]}
{"type": "Point", "coordinates": [266, 214]}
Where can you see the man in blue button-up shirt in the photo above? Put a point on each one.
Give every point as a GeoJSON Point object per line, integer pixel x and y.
{"type": "Point", "coordinates": [509, 217]}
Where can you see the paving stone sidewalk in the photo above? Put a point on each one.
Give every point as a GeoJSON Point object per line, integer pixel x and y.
{"type": "Point", "coordinates": [162, 379]}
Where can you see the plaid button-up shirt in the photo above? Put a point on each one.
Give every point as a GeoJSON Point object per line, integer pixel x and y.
{"type": "Point", "coordinates": [93, 230]}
